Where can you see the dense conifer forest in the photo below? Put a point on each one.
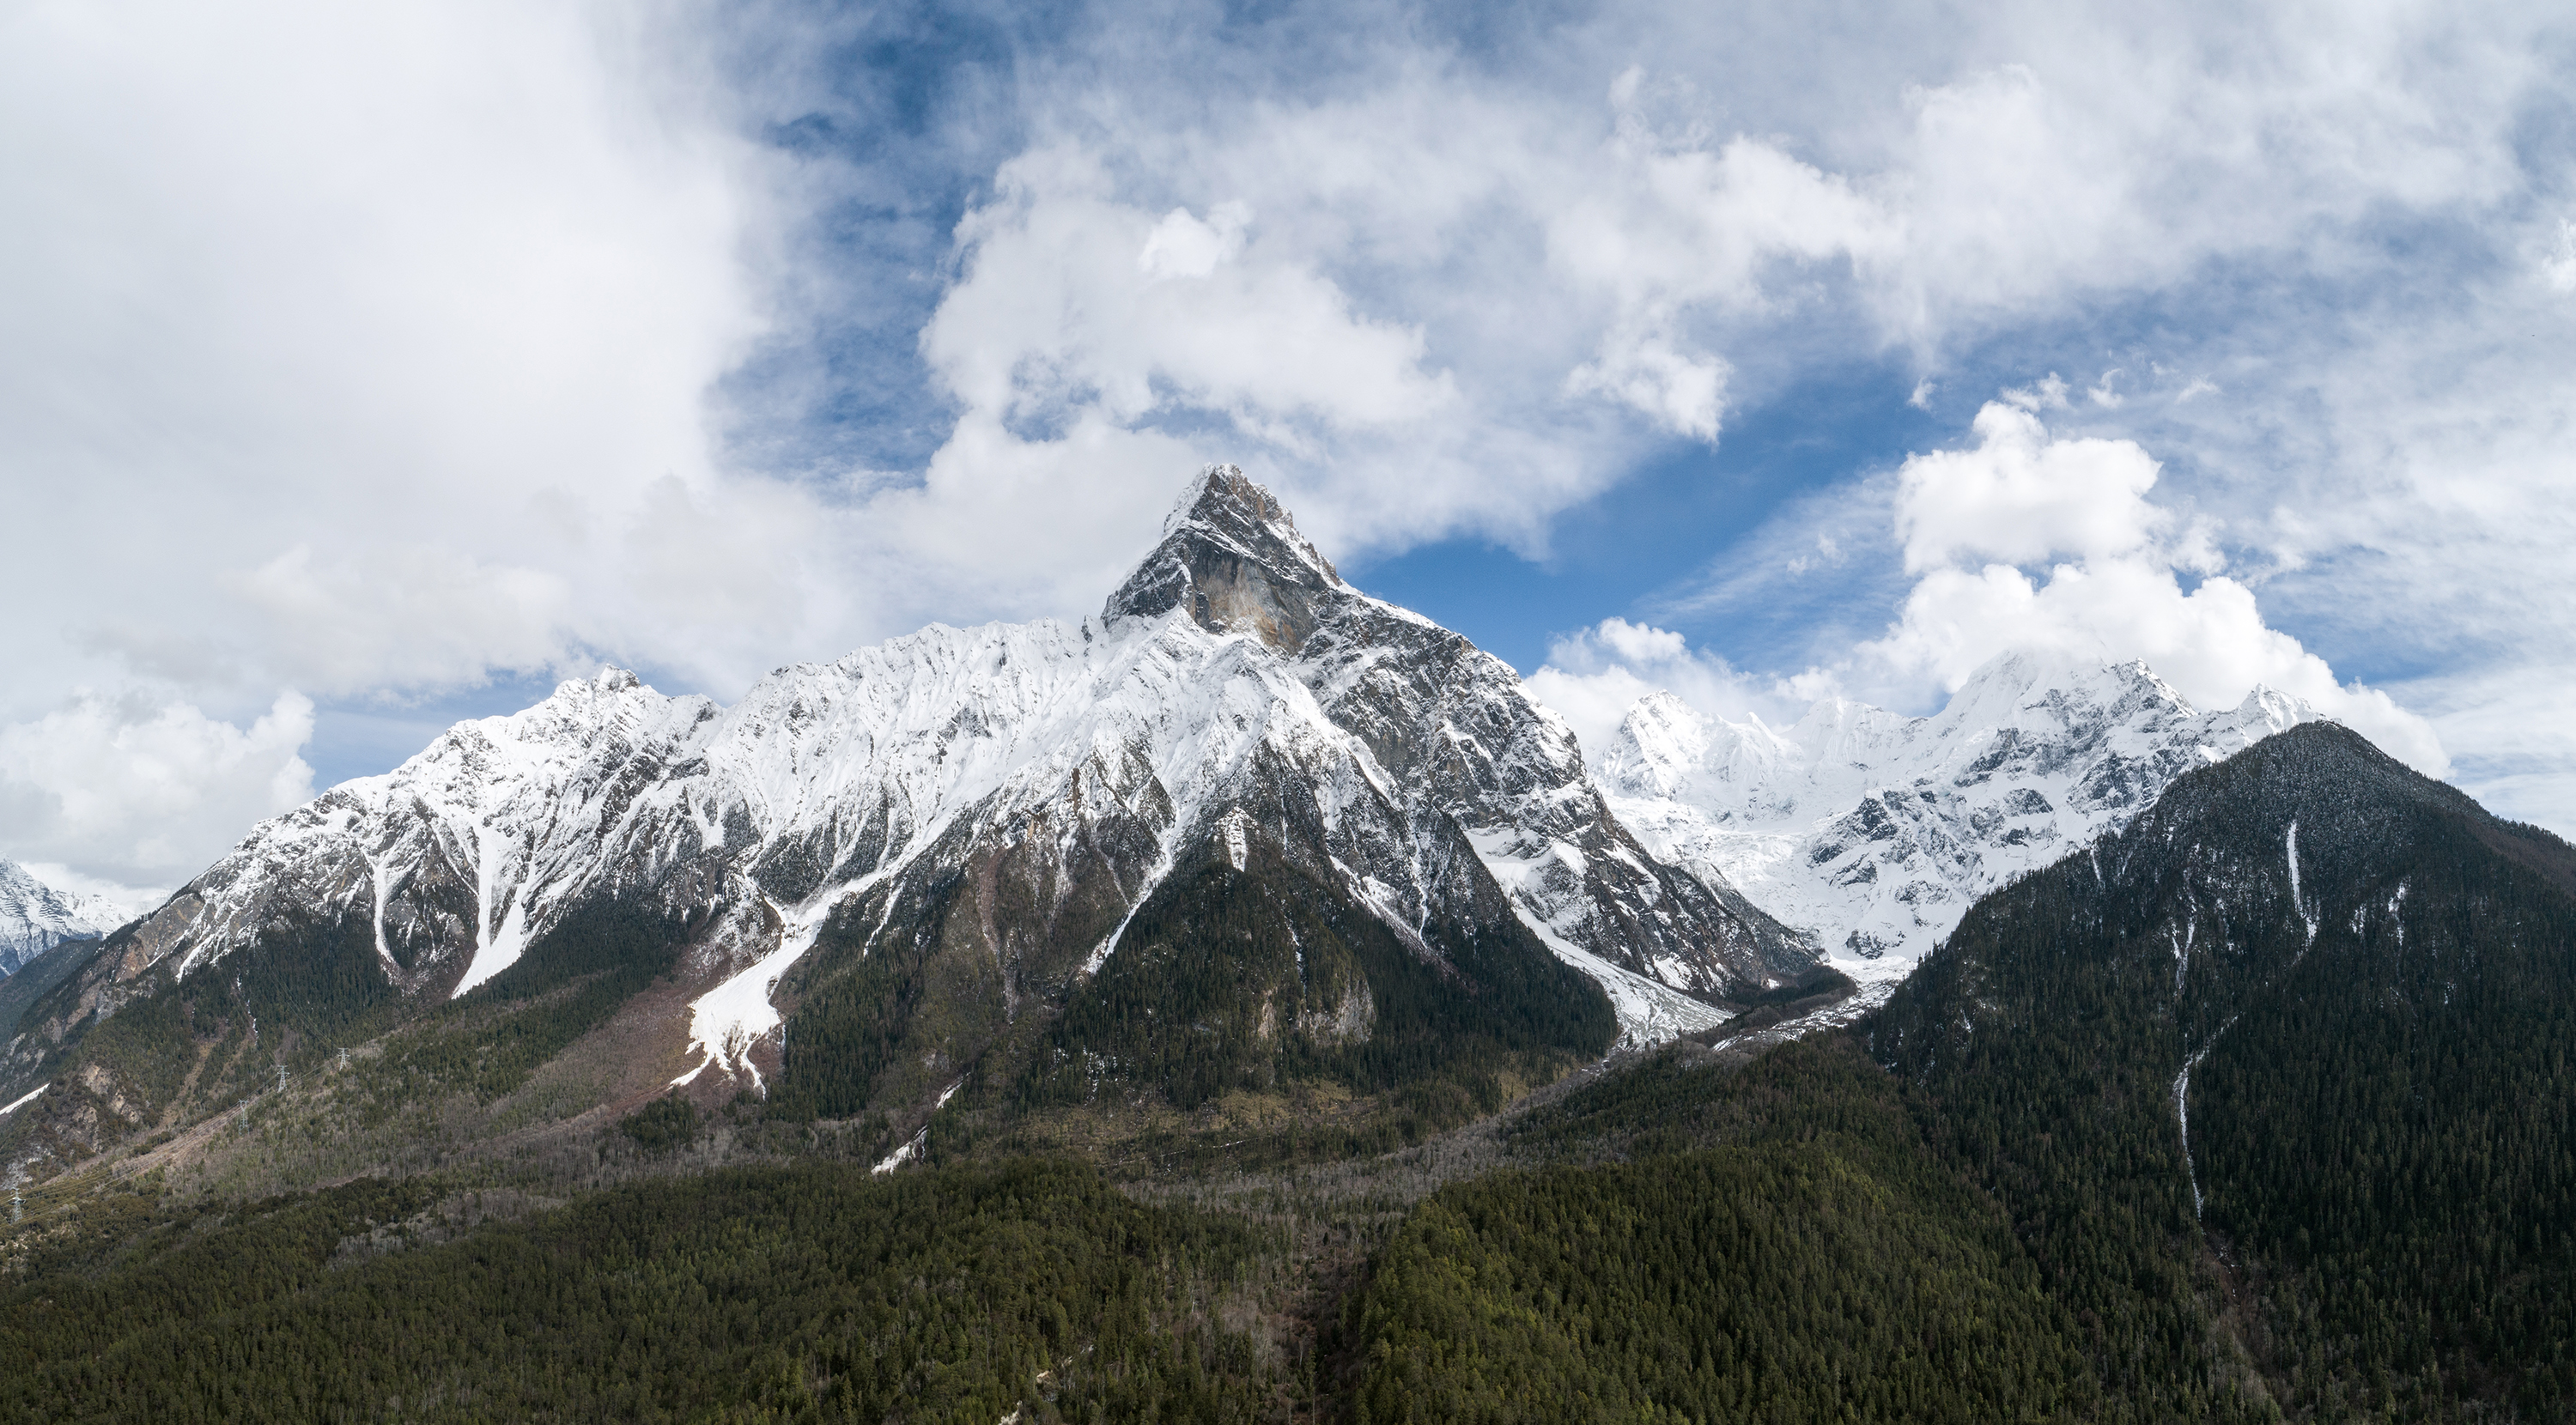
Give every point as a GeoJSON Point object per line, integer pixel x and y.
{"type": "Point", "coordinates": [1779, 1244]}
{"type": "Point", "coordinates": [812, 1293]}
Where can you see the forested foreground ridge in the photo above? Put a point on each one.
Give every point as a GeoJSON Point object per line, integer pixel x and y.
{"type": "Point", "coordinates": [1778, 1243]}
{"type": "Point", "coordinates": [2259, 1109]}
{"type": "Point", "coordinates": [2281, 1072]}
{"type": "Point", "coordinates": [1798, 1253]}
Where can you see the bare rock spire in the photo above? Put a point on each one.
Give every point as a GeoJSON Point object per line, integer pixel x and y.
{"type": "Point", "coordinates": [1232, 557]}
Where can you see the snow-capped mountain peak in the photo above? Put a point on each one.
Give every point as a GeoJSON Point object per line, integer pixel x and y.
{"type": "Point", "coordinates": [1232, 558]}
{"type": "Point", "coordinates": [1235, 688]}
{"type": "Point", "coordinates": [1668, 748]}
{"type": "Point", "coordinates": [36, 916]}
{"type": "Point", "coordinates": [1874, 831]}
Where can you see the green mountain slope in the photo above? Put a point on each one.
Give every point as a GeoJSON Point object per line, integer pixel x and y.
{"type": "Point", "coordinates": [1820, 1265]}
{"type": "Point", "coordinates": [2362, 989]}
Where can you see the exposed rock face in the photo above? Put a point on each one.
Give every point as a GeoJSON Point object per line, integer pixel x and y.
{"type": "Point", "coordinates": [1026, 785]}
{"type": "Point", "coordinates": [1232, 559]}
{"type": "Point", "coordinates": [1875, 832]}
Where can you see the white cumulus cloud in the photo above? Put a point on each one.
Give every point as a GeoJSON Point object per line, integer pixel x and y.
{"type": "Point", "coordinates": [1593, 676]}
{"type": "Point", "coordinates": [2111, 587]}
{"type": "Point", "coordinates": [1647, 366]}
{"type": "Point", "coordinates": [125, 791]}
{"type": "Point", "coordinates": [2019, 543]}
{"type": "Point", "coordinates": [2018, 496]}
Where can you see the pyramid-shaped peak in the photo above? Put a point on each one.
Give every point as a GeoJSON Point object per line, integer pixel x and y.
{"type": "Point", "coordinates": [1231, 555]}
{"type": "Point", "coordinates": [1219, 493]}
{"type": "Point", "coordinates": [1223, 502]}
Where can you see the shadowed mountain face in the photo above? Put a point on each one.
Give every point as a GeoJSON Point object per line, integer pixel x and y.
{"type": "Point", "coordinates": [2295, 1041]}
{"type": "Point", "coordinates": [877, 879]}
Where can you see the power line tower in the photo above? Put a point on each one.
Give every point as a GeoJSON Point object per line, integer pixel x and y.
{"type": "Point", "coordinates": [281, 1076]}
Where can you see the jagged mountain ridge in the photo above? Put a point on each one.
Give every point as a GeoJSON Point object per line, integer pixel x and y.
{"type": "Point", "coordinates": [1234, 686]}
{"type": "Point", "coordinates": [1875, 832]}
{"type": "Point", "coordinates": [35, 917]}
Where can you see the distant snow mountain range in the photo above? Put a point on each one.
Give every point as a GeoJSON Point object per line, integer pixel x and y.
{"type": "Point", "coordinates": [1874, 832]}
{"type": "Point", "coordinates": [36, 916]}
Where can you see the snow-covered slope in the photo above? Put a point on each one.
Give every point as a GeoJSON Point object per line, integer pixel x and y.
{"type": "Point", "coordinates": [35, 917]}
{"type": "Point", "coordinates": [1049, 774]}
{"type": "Point", "coordinates": [1874, 832]}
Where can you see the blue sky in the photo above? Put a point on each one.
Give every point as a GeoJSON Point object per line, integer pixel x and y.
{"type": "Point", "coordinates": [373, 370]}
{"type": "Point", "coordinates": [1634, 549]}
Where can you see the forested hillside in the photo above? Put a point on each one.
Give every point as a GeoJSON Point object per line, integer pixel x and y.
{"type": "Point", "coordinates": [2283, 1069]}
{"type": "Point", "coordinates": [810, 1293]}
{"type": "Point", "coordinates": [1782, 1246]}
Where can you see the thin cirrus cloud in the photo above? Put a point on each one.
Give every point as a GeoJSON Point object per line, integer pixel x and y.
{"type": "Point", "coordinates": [374, 355]}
